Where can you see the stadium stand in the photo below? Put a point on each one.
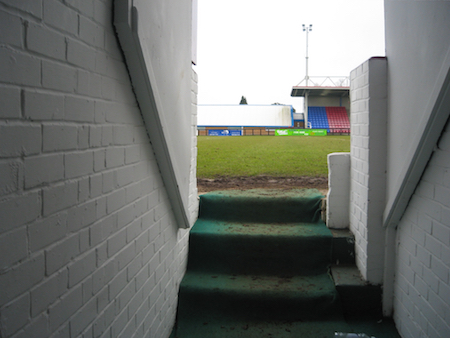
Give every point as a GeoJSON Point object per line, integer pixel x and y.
{"type": "Point", "coordinates": [334, 119]}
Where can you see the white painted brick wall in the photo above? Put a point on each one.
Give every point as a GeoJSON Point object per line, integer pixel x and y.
{"type": "Point", "coordinates": [58, 77]}
{"type": "Point", "coordinates": [10, 102]}
{"type": "Point", "coordinates": [45, 41]}
{"type": "Point", "coordinates": [422, 284]}
{"type": "Point", "coordinates": [367, 165]}
{"type": "Point", "coordinates": [89, 246]}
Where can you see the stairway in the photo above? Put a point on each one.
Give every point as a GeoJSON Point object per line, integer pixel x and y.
{"type": "Point", "coordinates": [258, 266]}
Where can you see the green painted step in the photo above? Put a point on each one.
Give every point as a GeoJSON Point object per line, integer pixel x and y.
{"type": "Point", "coordinates": [258, 264]}
{"type": "Point", "coordinates": [262, 206]}
{"type": "Point", "coordinates": [248, 297]}
{"type": "Point", "coordinates": [225, 328]}
{"type": "Point", "coordinates": [261, 329]}
{"type": "Point", "coordinates": [259, 248]}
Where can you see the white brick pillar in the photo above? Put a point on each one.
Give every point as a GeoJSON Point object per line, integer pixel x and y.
{"type": "Point", "coordinates": [193, 191]}
{"type": "Point", "coordinates": [338, 196]}
{"type": "Point", "coordinates": [368, 165]}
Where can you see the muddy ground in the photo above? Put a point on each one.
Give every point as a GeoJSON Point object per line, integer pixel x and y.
{"type": "Point", "coordinates": [262, 182]}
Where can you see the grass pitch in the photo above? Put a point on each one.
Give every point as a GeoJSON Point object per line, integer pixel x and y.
{"type": "Point", "coordinates": [267, 155]}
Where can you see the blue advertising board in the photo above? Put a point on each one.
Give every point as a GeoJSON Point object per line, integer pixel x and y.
{"type": "Point", "coordinates": [224, 132]}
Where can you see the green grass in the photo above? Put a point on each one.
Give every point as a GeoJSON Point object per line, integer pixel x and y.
{"type": "Point", "coordinates": [267, 155]}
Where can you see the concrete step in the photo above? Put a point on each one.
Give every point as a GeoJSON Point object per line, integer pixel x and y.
{"type": "Point", "coordinates": [259, 248]}
{"type": "Point", "coordinates": [343, 247]}
{"type": "Point", "coordinates": [358, 298]}
{"type": "Point", "coordinates": [262, 206]}
{"type": "Point", "coordinates": [250, 297]}
{"type": "Point", "coordinates": [259, 266]}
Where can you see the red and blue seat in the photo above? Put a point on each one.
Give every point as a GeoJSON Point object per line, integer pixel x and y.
{"type": "Point", "coordinates": [334, 119]}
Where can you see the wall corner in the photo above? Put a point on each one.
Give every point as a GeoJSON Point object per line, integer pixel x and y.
{"type": "Point", "coordinates": [368, 92]}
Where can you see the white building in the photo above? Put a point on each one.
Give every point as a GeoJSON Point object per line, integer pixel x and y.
{"type": "Point", "coordinates": [244, 115]}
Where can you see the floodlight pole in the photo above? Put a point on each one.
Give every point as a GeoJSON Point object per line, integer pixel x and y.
{"type": "Point", "coordinates": [306, 29]}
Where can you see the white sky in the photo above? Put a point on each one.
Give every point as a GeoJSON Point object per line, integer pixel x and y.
{"type": "Point", "coordinates": [256, 48]}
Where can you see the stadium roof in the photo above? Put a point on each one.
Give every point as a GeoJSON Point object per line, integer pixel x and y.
{"type": "Point", "coordinates": [323, 86]}
{"type": "Point", "coordinates": [320, 91]}
{"type": "Point", "coordinates": [244, 115]}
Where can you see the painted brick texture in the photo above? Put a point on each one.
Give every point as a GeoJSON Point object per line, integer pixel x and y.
{"type": "Point", "coordinates": [422, 284]}
{"type": "Point", "coordinates": [359, 155]}
{"type": "Point", "coordinates": [367, 165]}
{"type": "Point", "coordinates": [89, 246]}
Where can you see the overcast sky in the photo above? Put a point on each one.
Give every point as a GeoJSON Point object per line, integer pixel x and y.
{"type": "Point", "coordinates": [256, 48]}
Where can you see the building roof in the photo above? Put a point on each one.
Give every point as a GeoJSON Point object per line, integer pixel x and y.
{"type": "Point", "coordinates": [245, 115]}
{"type": "Point", "coordinates": [320, 91]}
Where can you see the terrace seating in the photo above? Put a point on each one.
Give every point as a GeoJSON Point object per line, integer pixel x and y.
{"type": "Point", "coordinates": [317, 116]}
{"type": "Point", "coordinates": [334, 119]}
{"type": "Point", "coordinates": [338, 120]}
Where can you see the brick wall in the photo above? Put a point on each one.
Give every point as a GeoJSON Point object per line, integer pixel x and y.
{"type": "Point", "coordinates": [422, 285]}
{"type": "Point", "coordinates": [88, 243]}
{"type": "Point", "coordinates": [367, 165]}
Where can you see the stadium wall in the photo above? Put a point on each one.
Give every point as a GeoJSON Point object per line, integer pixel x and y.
{"type": "Point", "coordinates": [415, 215]}
{"type": "Point", "coordinates": [89, 245]}
{"type": "Point", "coordinates": [422, 264]}
{"type": "Point", "coordinates": [417, 47]}
{"type": "Point", "coordinates": [417, 40]}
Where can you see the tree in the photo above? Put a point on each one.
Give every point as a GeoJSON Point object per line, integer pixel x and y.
{"type": "Point", "coordinates": [243, 100]}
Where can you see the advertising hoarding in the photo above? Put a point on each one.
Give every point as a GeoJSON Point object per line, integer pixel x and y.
{"type": "Point", "coordinates": [300, 132]}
